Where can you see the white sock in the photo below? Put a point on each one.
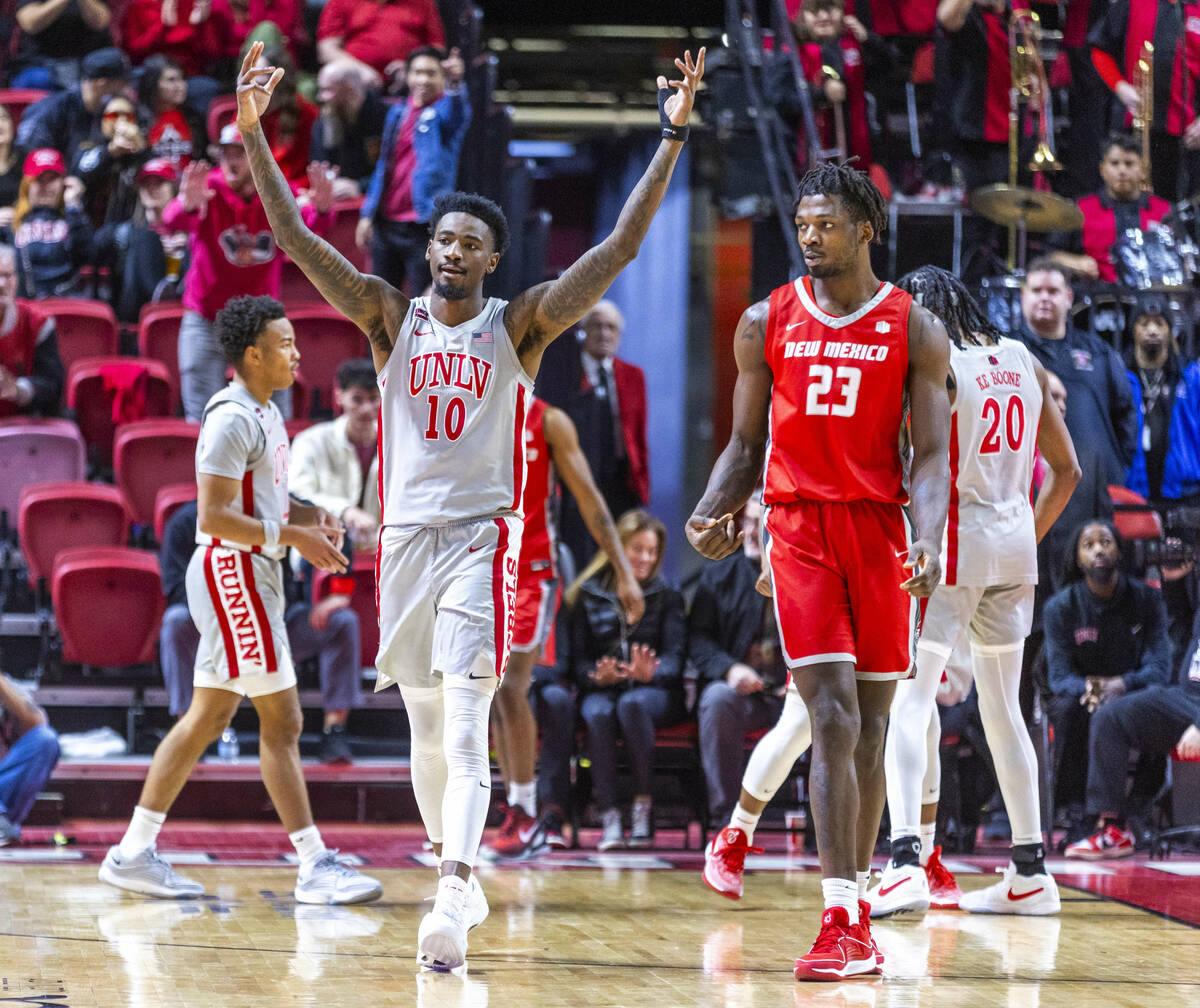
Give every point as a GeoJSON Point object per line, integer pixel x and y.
{"type": "Point", "coordinates": [142, 832]}
{"type": "Point", "coordinates": [840, 892]}
{"type": "Point", "coordinates": [862, 878]}
{"type": "Point", "coordinates": [745, 821]}
{"type": "Point", "coordinates": [927, 833]}
{"type": "Point", "coordinates": [308, 844]}
{"type": "Point", "coordinates": [524, 795]}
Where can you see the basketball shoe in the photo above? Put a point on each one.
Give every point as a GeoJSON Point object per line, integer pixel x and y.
{"type": "Point", "coordinates": [442, 936]}
{"type": "Point", "coordinates": [1109, 842]}
{"type": "Point", "coordinates": [518, 834]}
{"type": "Point", "coordinates": [841, 950]}
{"type": "Point", "coordinates": [944, 892]}
{"type": "Point", "coordinates": [901, 889]}
{"type": "Point", "coordinates": [725, 860]}
{"type": "Point", "coordinates": [551, 825]}
{"type": "Point", "coordinates": [329, 881]}
{"type": "Point", "coordinates": [147, 873]}
{"type": "Point", "coordinates": [1026, 895]}
{"type": "Point", "coordinates": [864, 923]}
{"type": "Point", "coordinates": [477, 904]}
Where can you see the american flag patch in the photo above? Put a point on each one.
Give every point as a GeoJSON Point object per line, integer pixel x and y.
{"type": "Point", "coordinates": [482, 337]}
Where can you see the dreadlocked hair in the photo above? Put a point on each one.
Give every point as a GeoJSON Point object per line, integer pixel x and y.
{"type": "Point", "coordinates": [859, 195]}
{"type": "Point", "coordinates": [947, 297]}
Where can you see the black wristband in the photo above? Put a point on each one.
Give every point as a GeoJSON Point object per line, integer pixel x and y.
{"type": "Point", "coordinates": [669, 130]}
{"type": "Point", "coordinates": [673, 132]}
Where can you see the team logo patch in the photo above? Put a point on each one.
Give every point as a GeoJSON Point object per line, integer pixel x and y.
{"type": "Point", "coordinates": [421, 313]}
{"type": "Point", "coordinates": [883, 327]}
{"type": "Point", "coordinates": [1082, 360]}
{"type": "Point", "coordinates": [1087, 635]}
{"type": "Point", "coordinates": [992, 360]}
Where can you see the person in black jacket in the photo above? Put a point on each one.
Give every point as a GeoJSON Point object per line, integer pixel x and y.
{"type": "Point", "coordinates": [1106, 636]}
{"type": "Point", "coordinates": [630, 678]}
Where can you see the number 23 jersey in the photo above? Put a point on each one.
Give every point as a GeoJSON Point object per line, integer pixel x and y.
{"type": "Point", "coordinates": [452, 419]}
{"type": "Point", "coordinates": [839, 404]}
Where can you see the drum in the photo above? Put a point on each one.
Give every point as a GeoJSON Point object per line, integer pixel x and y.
{"type": "Point", "coordinates": [1148, 259]}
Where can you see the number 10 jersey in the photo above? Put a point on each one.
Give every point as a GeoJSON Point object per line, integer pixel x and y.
{"type": "Point", "coordinates": [839, 403]}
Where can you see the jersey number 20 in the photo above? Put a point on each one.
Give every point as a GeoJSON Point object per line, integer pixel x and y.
{"type": "Point", "coordinates": [821, 403]}
{"type": "Point", "coordinates": [1014, 424]}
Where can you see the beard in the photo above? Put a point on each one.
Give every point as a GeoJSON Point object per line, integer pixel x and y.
{"type": "Point", "coordinates": [451, 291]}
{"type": "Point", "coordinates": [1102, 574]}
{"type": "Point", "coordinates": [333, 128]}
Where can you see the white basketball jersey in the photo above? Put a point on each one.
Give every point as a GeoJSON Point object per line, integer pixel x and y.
{"type": "Point", "coordinates": [989, 538]}
{"type": "Point", "coordinates": [452, 418]}
{"type": "Point", "coordinates": [242, 439]}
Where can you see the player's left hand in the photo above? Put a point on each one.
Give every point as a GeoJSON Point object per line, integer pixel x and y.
{"type": "Point", "coordinates": [926, 564]}
{"type": "Point", "coordinates": [713, 537]}
{"type": "Point", "coordinates": [679, 105]}
{"type": "Point", "coordinates": [253, 97]}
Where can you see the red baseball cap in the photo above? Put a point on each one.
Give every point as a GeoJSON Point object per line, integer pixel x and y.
{"type": "Point", "coordinates": [157, 168]}
{"type": "Point", "coordinates": [44, 159]}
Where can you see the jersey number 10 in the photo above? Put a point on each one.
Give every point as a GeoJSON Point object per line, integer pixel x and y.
{"type": "Point", "coordinates": [452, 421]}
{"type": "Point", "coordinates": [1014, 424]}
{"type": "Point", "coordinates": [821, 402]}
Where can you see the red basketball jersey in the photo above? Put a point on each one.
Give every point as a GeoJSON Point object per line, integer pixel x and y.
{"type": "Point", "coordinates": [839, 405]}
{"type": "Point", "coordinates": [537, 541]}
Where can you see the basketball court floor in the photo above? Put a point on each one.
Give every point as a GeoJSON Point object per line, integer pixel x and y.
{"type": "Point", "coordinates": [574, 929]}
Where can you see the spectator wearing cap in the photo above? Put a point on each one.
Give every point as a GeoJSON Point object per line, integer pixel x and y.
{"type": "Point", "coordinates": [54, 39]}
{"type": "Point", "coordinates": [31, 371]}
{"type": "Point", "coordinates": [108, 169]}
{"type": "Point", "coordinates": [349, 133]}
{"type": "Point", "coordinates": [67, 120]}
{"type": "Point", "coordinates": [50, 230]}
{"type": "Point", "coordinates": [142, 254]}
{"type": "Point", "coordinates": [233, 251]}
{"type": "Point", "coordinates": [378, 35]}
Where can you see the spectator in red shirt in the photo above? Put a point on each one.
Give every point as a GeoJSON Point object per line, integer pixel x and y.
{"type": "Point", "coordinates": [162, 92]}
{"type": "Point", "coordinates": [284, 14]}
{"type": "Point", "coordinates": [31, 371]}
{"type": "Point", "coordinates": [377, 34]}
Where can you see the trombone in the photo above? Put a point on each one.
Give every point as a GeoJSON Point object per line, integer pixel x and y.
{"type": "Point", "coordinates": [1143, 81]}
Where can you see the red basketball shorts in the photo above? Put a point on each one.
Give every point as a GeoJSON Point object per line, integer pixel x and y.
{"type": "Point", "coordinates": [837, 568]}
{"type": "Point", "coordinates": [537, 602]}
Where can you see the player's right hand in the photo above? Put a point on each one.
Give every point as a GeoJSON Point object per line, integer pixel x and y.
{"type": "Point", "coordinates": [314, 545]}
{"type": "Point", "coordinates": [713, 537]}
{"type": "Point", "coordinates": [926, 564]}
{"type": "Point", "coordinates": [253, 96]}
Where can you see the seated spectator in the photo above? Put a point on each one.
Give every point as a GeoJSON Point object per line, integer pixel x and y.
{"type": "Point", "coordinates": [421, 143]}
{"type": "Point", "coordinates": [11, 162]}
{"type": "Point", "coordinates": [55, 37]}
{"type": "Point", "coordinates": [1153, 721]}
{"type": "Point", "coordinates": [630, 678]}
{"type": "Point", "coordinates": [141, 254]}
{"type": "Point", "coordinates": [377, 34]}
{"type": "Point", "coordinates": [288, 121]}
{"type": "Point", "coordinates": [1106, 636]}
{"type": "Point", "coordinates": [109, 170]}
{"type": "Point", "coordinates": [67, 120]}
{"type": "Point", "coordinates": [733, 641]}
{"type": "Point", "coordinates": [335, 464]}
{"type": "Point", "coordinates": [162, 95]}
{"type": "Point", "coordinates": [31, 371]}
{"type": "Point", "coordinates": [285, 15]}
{"type": "Point", "coordinates": [31, 753]}
{"type": "Point", "coordinates": [50, 230]}
{"type": "Point", "coordinates": [196, 34]}
{"type": "Point", "coordinates": [350, 130]}
{"type": "Point", "coordinates": [327, 631]}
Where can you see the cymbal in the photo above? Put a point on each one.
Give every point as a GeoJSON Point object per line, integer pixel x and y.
{"type": "Point", "coordinates": [1011, 206]}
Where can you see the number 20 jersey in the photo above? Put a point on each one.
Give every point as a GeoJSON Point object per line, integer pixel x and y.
{"type": "Point", "coordinates": [452, 420]}
{"type": "Point", "coordinates": [839, 404]}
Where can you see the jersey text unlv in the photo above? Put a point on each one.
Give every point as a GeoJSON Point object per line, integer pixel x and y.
{"type": "Point", "coordinates": [447, 369]}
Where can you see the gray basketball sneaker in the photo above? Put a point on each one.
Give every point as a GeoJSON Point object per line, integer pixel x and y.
{"type": "Point", "coordinates": [331, 882]}
{"type": "Point", "coordinates": [147, 873]}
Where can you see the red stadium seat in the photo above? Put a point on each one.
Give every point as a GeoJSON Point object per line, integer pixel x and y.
{"type": "Point", "coordinates": [108, 604]}
{"type": "Point", "coordinates": [149, 453]}
{"type": "Point", "coordinates": [294, 286]}
{"type": "Point", "coordinates": [17, 100]}
{"type": "Point", "coordinates": [325, 338]}
{"type": "Point", "coordinates": [158, 336]}
{"type": "Point", "coordinates": [107, 391]}
{"type": "Point", "coordinates": [34, 450]}
{"type": "Point", "coordinates": [167, 501]}
{"type": "Point", "coordinates": [297, 424]}
{"type": "Point", "coordinates": [1133, 516]}
{"type": "Point", "coordinates": [58, 516]}
{"type": "Point", "coordinates": [85, 328]}
{"type": "Point", "coordinates": [345, 223]}
{"type": "Point", "coordinates": [362, 602]}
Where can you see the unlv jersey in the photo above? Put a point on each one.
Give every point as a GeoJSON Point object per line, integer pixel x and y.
{"type": "Point", "coordinates": [452, 420]}
{"type": "Point", "coordinates": [839, 404]}
{"type": "Point", "coordinates": [537, 540]}
{"type": "Point", "coordinates": [993, 434]}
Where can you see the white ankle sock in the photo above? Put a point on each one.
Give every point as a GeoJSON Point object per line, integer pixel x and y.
{"type": "Point", "coordinates": [745, 821]}
{"type": "Point", "coordinates": [308, 844]}
{"type": "Point", "coordinates": [524, 795]}
{"type": "Point", "coordinates": [862, 878]}
{"type": "Point", "coordinates": [840, 892]}
{"type": "Point", "coordinates": [142, 832]}
{"type": "Point", "coordinates": [927, 833]}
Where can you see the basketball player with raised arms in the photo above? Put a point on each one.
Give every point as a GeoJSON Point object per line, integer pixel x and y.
{"type": "Point", "coordinates": [1001, 411]}
{"type": "Point", "coordinates": [456, 375]}
{"type": "Point", "coordinates": [837, 368]}
{"type": "Point", "coordinates": [245, 523]}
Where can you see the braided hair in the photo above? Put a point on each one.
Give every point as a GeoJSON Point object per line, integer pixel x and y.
{"type": "Point", "coordinates": [943, 294]}
{"type": "Point", "coordinates": [859, 195]}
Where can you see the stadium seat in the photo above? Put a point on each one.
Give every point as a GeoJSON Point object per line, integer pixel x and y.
{"type": "Point", "coordinates": [1133, 516]}
{"type": "Point", "coordinates": [362, 602]}
{"type": "Point", "coordinates": [341, 237]}
{"type": "Point", "coordinates": [34, 450]}
{"type": "Point", "coordinates": [149, 453]}
{"type": "Point", "coordinates": [85, 328]}
{"type": "Point", "coordinates": [167, 501]}
{"type": "Point", "coordinates": [325, 338]}
{"type": "Point", "coordinates": [158, 336]}
{"type": "Point", "coordinates": [108, 604]}
{"type": "Point", "coordinates": [58, 516]}
{"type": "Point", "coordinates": [294, 286]}
{"type": "Point", "coordinates": [17, 100]}
{"type": "Point", "coordinates": [107, 391]}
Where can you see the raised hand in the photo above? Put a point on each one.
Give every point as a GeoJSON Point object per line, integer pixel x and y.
{"type": "Point", "coordinates": [643, 663]}
{"type": "Point", "coordinates": [679, 105]}
{"type": "Point", "coordinates": [454, 68]}
{"type": "Point", "coordinates": [193, 188]}
{"type": "Point", "coordinates": [253, 96]}
{"type": "Point", "coordinates": [321, 177]}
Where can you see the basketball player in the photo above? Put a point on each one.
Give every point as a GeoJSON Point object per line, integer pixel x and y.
{"type": "Point", "coordinates": [830, 365]}
{"type": "Point", "coordinates": [1000, 410]}
{"type": "Point", "coordinates": [551, 446]}
{"type": "Point", "coordinates": [456, 375]}
{"type": "Point", "coordinates": [245, 523]}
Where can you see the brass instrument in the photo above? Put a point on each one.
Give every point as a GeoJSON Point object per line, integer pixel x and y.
{"type": "Point", "coordinates": [839, 115]}
{"type": "Point", "coordinates": [1143, 82]}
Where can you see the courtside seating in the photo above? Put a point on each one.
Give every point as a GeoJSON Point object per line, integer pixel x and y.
{"type": "Point", "coordinates": [158, 336]}
{"type": "Point", "coordinates": [108, 604]}
{"type": "Point", "coordinates": [17, 100]}
{"type": "Point", "coordinates": [362, 602]}
{"type": "Point", "coordinates": [57, 516]}
{"type": "Point", "coordinates": [167, 501]}
{"type": "Point", "coordinates": [325, 338]}
{"type": "Point", "coordinates": [34, 450]}
{"type": "Point", "coordinates": [149, 453]}
{"type": "Point", "coordinates": [93, 403]}
{"type": "Point", "coordinates": [85, 328]}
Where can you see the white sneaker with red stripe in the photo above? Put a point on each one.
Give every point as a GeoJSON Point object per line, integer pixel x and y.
{"type": "Point", "coordinates": [1026, 895]}
{"type": "Point", "coordinates": [725, 860]}
{"type": "Point", "coordinates": [1110, 842]}
{"type": "Point", "coordinates": [842, 949]}
{"type": "Point", "coordinates": [944, 892]}
{"type": "Point", "coordinates": [901, 889]}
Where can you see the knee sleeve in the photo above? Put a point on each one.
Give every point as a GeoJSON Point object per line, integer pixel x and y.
{"type": "Point", "coordinates": [468, 791]}
{"type": "Point", "coordinates": [426, 714]}
{"type": "Point", "coordinates": [905, 757]}
{"type": "Point", "coordinates": [778, 750]}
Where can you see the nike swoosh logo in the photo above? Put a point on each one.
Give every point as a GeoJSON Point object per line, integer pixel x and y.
{"type": "Point", "coordinates": [486, 675]}
{"type": "Point", "coordinates": [486, 787]}
{"type": "Point", "coordinates": [894, 885]}
{"type": "Point", "coordinates": [475, 549]}
{"type": "Point", "coordinates": [526, 835]}
{"type": "Point", "coordinates": [1033, 892]}
{"type": "Point", "coordinates": [792, 325]}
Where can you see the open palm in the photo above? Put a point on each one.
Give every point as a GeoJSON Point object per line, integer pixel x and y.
{"type": "Point", "coordinates": [253, 96]}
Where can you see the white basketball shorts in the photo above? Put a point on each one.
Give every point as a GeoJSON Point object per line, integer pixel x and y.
{"type": "Point", "coordinates": [993, 616]}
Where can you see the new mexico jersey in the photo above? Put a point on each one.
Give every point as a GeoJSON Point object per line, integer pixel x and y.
{"type": "Point", "coordinates": [537, 541]}
{"type": "Point", "coordinates": [839, 403]}
{"type": "Point", "coordinates": [242, 439]}
{"type": "Point", "coordinates": [452, 418]}
{"type": "Point", "coordinates": [989, 537]}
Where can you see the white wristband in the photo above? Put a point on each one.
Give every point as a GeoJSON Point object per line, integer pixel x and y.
{"type": "Point", "coordinates": [270, 534]}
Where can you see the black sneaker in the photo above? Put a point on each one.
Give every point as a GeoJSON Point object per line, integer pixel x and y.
{"type": "Point", "coordinates": [335, 746]}
{"type": "Point", "coordinates": [552, 830]}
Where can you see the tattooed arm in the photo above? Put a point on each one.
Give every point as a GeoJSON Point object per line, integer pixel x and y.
{"type": "Point", "coordinates": [711, 528]}
{"type": "Point", "coordinates": [537, 316]}
{"type": "Point", "coordinates": [375, 307]}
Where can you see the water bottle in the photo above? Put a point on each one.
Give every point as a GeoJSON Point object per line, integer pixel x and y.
{"type": "Point", "coordinates": [227, 748]}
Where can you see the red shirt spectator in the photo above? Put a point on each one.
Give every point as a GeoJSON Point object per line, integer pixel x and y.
{"type": "Point", "coordinates": [377, 33]}
{"type": "Point", "coordinates": [248, 14]}
{"type": "Point", "coordinates": [31, 371]}
{"type": "Point", "coordinates": [155, 26]}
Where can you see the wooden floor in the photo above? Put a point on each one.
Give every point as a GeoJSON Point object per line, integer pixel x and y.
{"type": "Point", "coordinates": [582, 937]}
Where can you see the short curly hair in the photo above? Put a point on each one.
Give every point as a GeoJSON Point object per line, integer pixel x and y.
{"type": "Point", "coordinates": [243, 319]}
{"type": "Point", "coordinates": [477, 206]}
{"type": "Point", "coordinates": [859, 195]}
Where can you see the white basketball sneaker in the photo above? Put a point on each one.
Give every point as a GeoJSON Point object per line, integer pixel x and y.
{"type": "Point", "coordinates": [1027, 895]}
{"type": "Point", "coordinates": [477, 904]}
{"type": "Point", "coordinates": [147, 873]}
{"type": "Point", "coordinates": [442, 936]}
{"type": "Point", "coordinates": [901, 889]}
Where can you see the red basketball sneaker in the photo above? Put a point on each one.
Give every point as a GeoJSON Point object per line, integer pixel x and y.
{"type": "Point", "coordinates": [841, 950]}
{"type": "Point", "coordinates": [724, 861]}
{"type": "Point", "coordinates": [864, 922]}
{"type": "Point", "coordinates": [1109, 842]}
{"type": "Point", "coordinates": [515, 833]}
{"type": "Point", "coordinates": [944, 892]}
